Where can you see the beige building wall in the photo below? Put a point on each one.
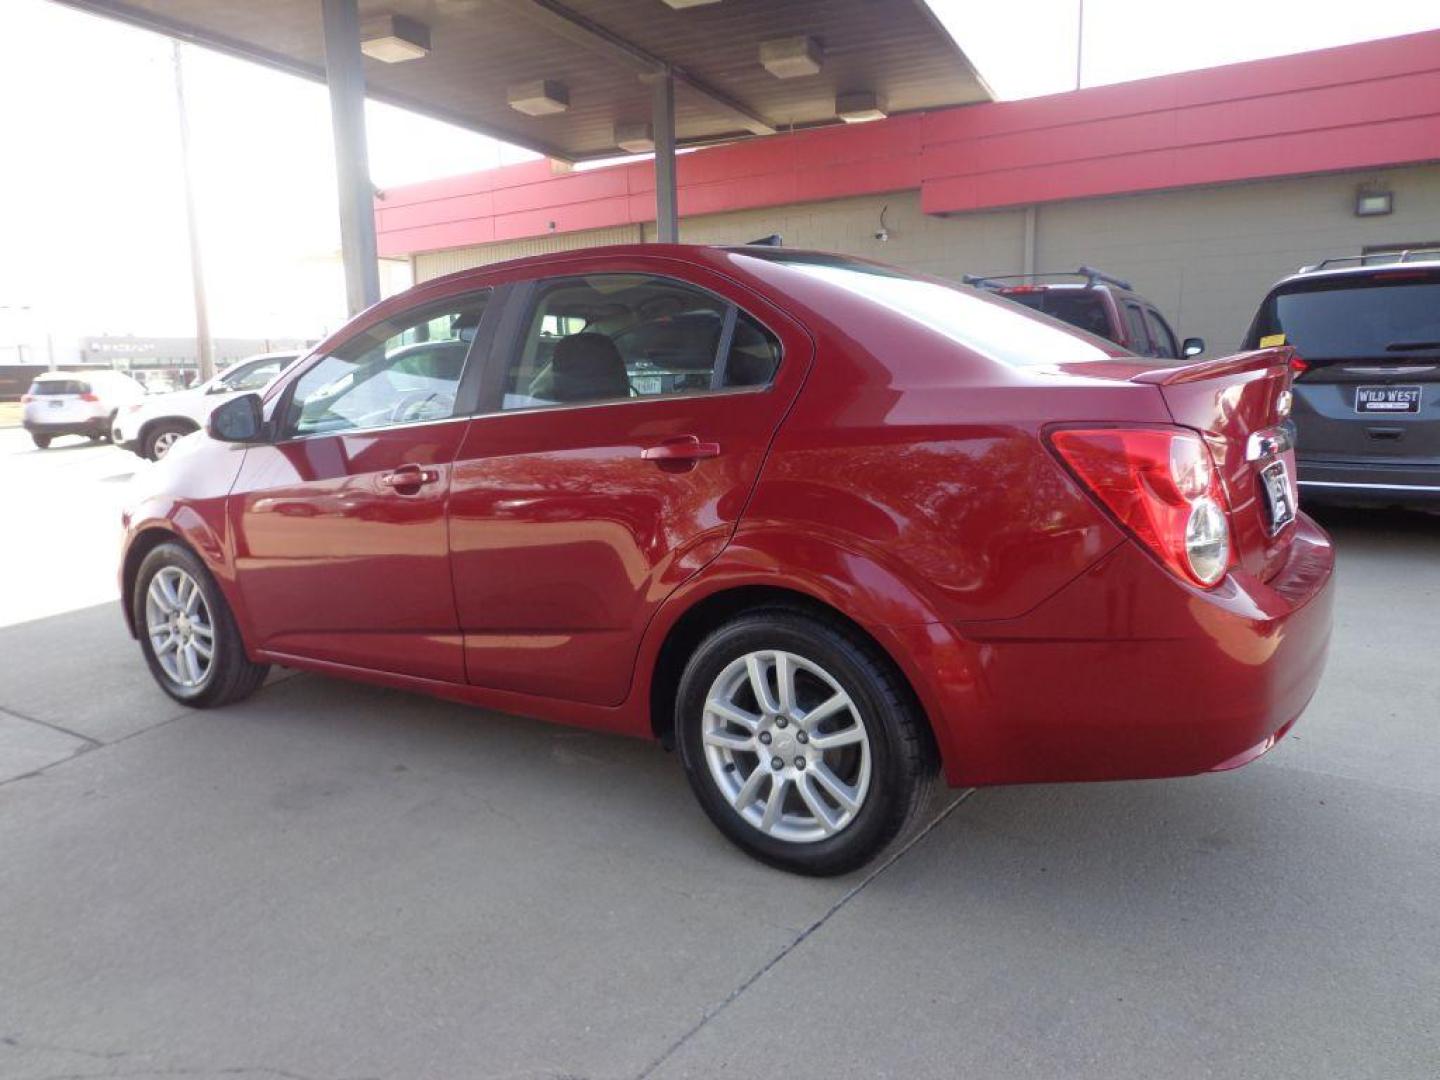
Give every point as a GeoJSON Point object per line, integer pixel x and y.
{"type": "Point", "coordinates": [1206, 255]}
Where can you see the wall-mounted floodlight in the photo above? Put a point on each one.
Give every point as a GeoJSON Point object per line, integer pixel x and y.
{"type": "Point", "coordinates": [1372, 202]}
{"type": "Point", "coordinates": [539, 97]}
{"type": "Point", "coordinates": [392, 39]}
{"type": "Point", "coordinates": [791, 58]}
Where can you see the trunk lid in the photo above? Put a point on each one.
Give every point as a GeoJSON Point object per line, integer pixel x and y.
{"type": "Point", "coordinates": [1241, 405]}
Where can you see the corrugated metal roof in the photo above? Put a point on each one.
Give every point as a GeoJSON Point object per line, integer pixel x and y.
{"type": "Point", "coordinates": [893, 48]}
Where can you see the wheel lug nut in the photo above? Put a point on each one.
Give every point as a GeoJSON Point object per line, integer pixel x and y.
{"type": "Point", "coordinates": [781, 722]}
{"type": "Point", "coordinates": [799, 763]}
{"type": "Point", "coordinates": [765, 738]}
{"type": "Point", "coordinates": [777, 764]}
{"type": "Point", "coordinates": [801, 737]}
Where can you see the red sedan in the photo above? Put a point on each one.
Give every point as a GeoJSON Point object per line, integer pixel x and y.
{"type": "Point", "coordinates": [823, 525]}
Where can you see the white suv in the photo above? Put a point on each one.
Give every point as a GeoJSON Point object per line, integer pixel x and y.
{"type": "Point", "coordinates": [76, 403]}
{"type": "Point", "coordinates": [150, 427]}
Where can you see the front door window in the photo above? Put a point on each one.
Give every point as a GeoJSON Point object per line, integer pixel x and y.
{"type": "Point", "coordinates": [403, 371]}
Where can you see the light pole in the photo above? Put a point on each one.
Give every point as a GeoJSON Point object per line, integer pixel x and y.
{"type": "Point", "coordinates": [204, 346]}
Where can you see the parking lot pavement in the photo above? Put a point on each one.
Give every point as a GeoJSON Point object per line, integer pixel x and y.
{"type": "Point", "coordinates": [332, 881]}
{"type": "Point", "coordinates": [60, 526]}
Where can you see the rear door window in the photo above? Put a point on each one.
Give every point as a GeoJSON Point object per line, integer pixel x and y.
{"type": "Point", "coordinates": [1135, 325]}
{"type": "Point", "coordinates": [1162, 339]}
{"type": "Point", "coordinates": [619, 337]}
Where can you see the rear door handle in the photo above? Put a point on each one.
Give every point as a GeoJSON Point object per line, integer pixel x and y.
{"type": "Point", "coordinates": [685, 448]}
{"type": "Point", "coordinates": [409, 476]}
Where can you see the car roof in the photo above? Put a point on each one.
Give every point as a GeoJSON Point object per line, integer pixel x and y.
{"type": "Point", "coordinates": [254, 358]}
{"type": "Point", "coordinates": [1321, 272]}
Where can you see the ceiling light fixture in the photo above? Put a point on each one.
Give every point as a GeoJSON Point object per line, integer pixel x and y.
{"type": "Point", "coordinates": [539, 97]}
{"type": "Point", "coordinates": [681, 5]}
{"type": "Point", "coordinates": [858, 107]}
{"type": "Point", "coordinates": [636, 138]}
{"type": "Point", "coordinates": [791, 58]}
{"type": "Point", "coordinates": [392, 39]}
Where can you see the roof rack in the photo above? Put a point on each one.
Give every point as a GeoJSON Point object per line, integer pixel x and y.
{"type": "Point", "coordinates": [1089, 273]}
{"type": "Point", "coordinates": [1372, 258]}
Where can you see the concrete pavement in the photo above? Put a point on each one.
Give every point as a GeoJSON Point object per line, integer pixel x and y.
{"type": "Point", "coordinates": [332, 881]}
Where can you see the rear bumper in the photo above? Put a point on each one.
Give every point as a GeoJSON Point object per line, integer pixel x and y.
{"type": "Point", "coordinates": [1127, 673]}
{"type": "Point", "coordinates": [95, 425]}
{"type": "Point", "coordinates": [1325, 480]}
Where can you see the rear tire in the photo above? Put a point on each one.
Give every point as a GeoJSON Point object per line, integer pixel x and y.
{"type": "Point", "coordinates": [41, 441]}
{"type": "Point", "coordinates": [159, 438]}
{"type": "Point", "coordinates": [840, 803]}
{"type": "Point", "coordinates": [179, 613]}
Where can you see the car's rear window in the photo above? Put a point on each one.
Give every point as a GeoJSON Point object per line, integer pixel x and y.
{"type": "Point", "coordinates": [57, 387]}
{"type": "Point", "coordinates": [1085, 309]}
{"type": "Point", "coordinates": [974, 319]}
{"type": "Point", "coordinates": [1388, 316]}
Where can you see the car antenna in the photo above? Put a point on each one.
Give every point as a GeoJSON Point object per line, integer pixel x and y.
{"type": "Point", "coordinates": [773, 240]}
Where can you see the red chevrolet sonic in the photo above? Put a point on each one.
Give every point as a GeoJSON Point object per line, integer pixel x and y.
{"type": "Point", "coordinates": [824, 525]}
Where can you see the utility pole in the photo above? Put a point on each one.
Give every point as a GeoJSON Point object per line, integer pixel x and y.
{"type": "Point", "coordinates": [1079, 43]}
{"type": "Point", "coordinates": [204, 346]}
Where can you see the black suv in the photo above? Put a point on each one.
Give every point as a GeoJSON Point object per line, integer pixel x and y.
{"type": "Point", "coordinates": [1100, 303]}
{"type": "Point", "coordinates": [1367, 388]}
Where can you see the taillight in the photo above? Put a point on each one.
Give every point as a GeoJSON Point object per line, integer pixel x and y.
{"type": "Point", "coordinates": [1298, 364]}
{"type": "Point", "coordinates": [25, 399]}
{"type": "Point", "coordinates": [1161, 484]}
{"type": "Point", "coordinates": [88, 397]}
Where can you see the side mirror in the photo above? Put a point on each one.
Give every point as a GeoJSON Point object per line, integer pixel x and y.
{"type": "Point", "coordinates": [239, 420]}
{"type": "Point", "coordinates": [1193, 346]}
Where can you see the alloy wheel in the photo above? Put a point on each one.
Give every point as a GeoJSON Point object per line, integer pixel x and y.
{"type": "Point", "coordinates": [163, 442]}
{"type": "Point", "coordinates": [181, 630]}
{"type": "Point", "coordinates": [786, 746]}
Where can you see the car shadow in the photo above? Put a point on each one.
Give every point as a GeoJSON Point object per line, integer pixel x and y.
{"type": "Point", "coordinates": [1398, 521]}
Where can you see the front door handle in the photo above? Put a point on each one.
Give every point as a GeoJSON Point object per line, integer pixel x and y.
{"type": "Point", "coordinates": [409, 477]}
{"type": "Point", "coordinates": [684, 448]}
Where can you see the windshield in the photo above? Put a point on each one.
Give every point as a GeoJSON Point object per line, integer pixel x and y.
{"type": "Point", "coordinates": [990, 326]}
{"type": "Point", "coordinates": [1375, 318]}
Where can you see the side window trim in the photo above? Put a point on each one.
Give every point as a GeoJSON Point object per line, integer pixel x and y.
{"type": "Point", "coordinates": [463, 410]}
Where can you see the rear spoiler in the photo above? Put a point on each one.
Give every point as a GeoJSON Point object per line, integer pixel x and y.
{"type": "Point", "coordinates": [1257, 360]}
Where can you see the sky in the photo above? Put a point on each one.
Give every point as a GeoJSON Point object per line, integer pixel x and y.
{"type": "Point", "coordinates": [92, 224]}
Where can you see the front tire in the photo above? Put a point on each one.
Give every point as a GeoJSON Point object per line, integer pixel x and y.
{"type": "Point", "coordinates": [187, 632]}
{"type": "Point", "coordinates": [42, 442]}
{"type": "Point", "coordinates": [801, 741]}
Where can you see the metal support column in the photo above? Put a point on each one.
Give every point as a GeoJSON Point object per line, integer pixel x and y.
{"type": "Point", "coordinates": [1031, 239]}
{"type": "Point", "coordinates": [667, 219]}
{"type": "Point", "coordinates": [345, 77]}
